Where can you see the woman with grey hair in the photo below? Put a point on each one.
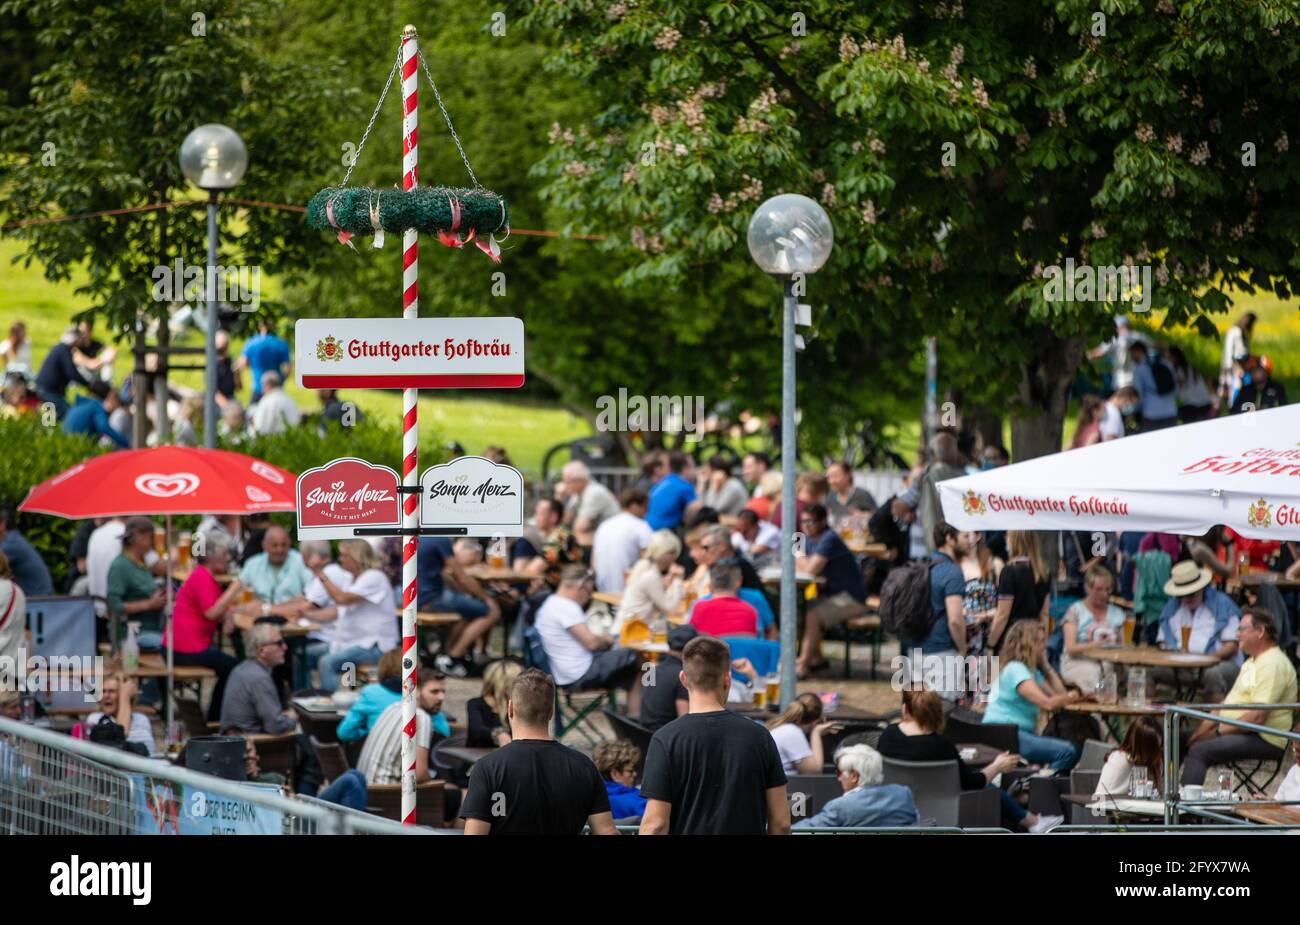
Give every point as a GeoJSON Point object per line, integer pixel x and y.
{"type": "Point", "coordinates": [367, 621]}
{"type": "Point", "coordinates": [867, 801]}
{"type": "Point", "coordinates": [200, 613]}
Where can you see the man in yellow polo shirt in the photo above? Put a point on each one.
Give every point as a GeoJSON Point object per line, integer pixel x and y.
{"type": "Point", "coordinates": [1267, 676]}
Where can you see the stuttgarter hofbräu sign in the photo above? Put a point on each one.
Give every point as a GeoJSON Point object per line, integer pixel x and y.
{"type": "Point", "coordinates": [409, 353]}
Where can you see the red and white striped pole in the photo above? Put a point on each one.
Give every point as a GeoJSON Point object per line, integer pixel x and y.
{"type": "Point", "coordinates": [410, 429]}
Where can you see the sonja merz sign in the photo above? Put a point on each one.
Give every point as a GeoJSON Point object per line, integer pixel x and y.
{"type": "Point", "coordinates": [475, 493]}
{"type": "Point", "coordinates": [469, 494]}
{"type": "Point", "coordinates": [409, 353]}
{"type": "Point", "coordinates": [344, 494]}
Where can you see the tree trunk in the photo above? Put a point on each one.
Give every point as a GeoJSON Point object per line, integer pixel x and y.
{"type": "Point", "coordinates": [1038, 422]}
{"type": "Point", "coordinates": [140, 411]}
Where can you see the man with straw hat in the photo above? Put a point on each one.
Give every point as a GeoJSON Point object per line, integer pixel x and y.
{"type": "Point", "coordinates": [1200, 619]}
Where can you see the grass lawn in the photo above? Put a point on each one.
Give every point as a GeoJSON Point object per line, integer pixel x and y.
{"type": "Point", "coordinates": [525, 428]}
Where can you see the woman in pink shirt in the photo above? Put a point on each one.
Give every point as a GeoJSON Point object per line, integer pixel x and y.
{"type": "Point", "coordinates": [200, 608]}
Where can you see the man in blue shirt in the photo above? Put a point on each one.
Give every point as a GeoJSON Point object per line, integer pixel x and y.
{"type": "Point", "coordinates": [840, 597]}
{"type": "Point", "coordinates": [25, 563]}
{"type": "Point", "coordinates": [265, 353]}
{"type": "Point", "coordinates": [671, 494]}
{"type": "Point", "coordinates": [89, 416]}
{"type": "Point", "coordinates": [867, 801]}
{"type": "Point", "coordinates": [1157, 410]}
{"type": "Point", "coordinates": [947, 636]}
{"type": "Point", "coordinates": [435, 562]}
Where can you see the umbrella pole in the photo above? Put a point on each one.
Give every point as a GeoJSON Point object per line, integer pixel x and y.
{"type": "Point", "coordinates": [171, 641]}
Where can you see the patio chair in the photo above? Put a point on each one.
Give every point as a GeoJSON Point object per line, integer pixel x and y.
{"type": "Point", "coordinates": [809, 793]}
{"type": "Point", "coordinates": [936, 790]}
{"type": "Point", "coordinates": [386, 800]}
{"type": "Point", "coordinates": [333, 760]}
{"type": "Point", "coordinates": [1084, 783]}
{"type": "Point", "coordinates": [629, 730]}
{"type": "Point", "coordinates": [573, 709]}
{"type": "Point", "coordinates": [277, 754]}
{"type": "Point", "coordinates": [1093, 757]}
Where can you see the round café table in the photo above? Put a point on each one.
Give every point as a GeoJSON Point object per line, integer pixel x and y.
{"type": "Point", "coordinates": [1151, 657]}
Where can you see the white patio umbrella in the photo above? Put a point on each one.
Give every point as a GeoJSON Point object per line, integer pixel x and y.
{"type": "Point", "coordinates": [1242, 471]}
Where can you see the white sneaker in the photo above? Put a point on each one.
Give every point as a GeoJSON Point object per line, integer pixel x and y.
{"type": "Point", "coordinates": [1045, 823]}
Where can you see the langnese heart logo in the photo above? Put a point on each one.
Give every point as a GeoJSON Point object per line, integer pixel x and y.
{"type": "Point", "coordinates": [167, 486]}
{"type": "Point", "coordinates": [256, 494]}
{"type": "Point", "coordinates": [267, 472]}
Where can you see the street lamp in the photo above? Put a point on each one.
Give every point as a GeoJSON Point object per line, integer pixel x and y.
{"type": "Point", "coordinates": [213, 158]}
{"type": "Point", "coordinates": [789, 237]}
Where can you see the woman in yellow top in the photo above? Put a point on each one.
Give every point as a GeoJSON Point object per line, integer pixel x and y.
{"type": "Point", "coordinates": [1267, 676]}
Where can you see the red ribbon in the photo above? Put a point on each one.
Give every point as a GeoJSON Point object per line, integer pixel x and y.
{"type": "Point", "coordinates": [345, 237]}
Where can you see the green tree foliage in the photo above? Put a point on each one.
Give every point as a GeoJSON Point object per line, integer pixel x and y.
{"type": "Point", "coordinates": [126, 82]}
{"type": "Point", "coordinates": [960, 150]}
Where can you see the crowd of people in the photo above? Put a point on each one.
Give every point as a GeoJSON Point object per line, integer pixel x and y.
{"type": "Point", "coordinates": [104, 412]}
{"type": "Point", "coordinates": [1149, 387]}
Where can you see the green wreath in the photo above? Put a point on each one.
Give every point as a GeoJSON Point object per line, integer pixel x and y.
{"type": "Point", "coordinates": [455, 216]}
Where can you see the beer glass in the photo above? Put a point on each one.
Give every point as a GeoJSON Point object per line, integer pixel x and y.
{"type": "Point", "coordinates": [773, 688]}
{"type": "Point", "coordinates": [760, 695]}
{"type": "Point", "coordinates": [183, 551]}
{"type": "Point", "coordinates": [1130, 624]}
{"type": "Point", "coordinates": [1137, 782]}
{"type": "Point", "coordinates": [1186, 631]}
{"type": "Point", "coordinates": [160, 541]}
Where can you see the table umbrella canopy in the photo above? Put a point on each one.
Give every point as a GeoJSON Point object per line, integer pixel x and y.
{"type": "Point", "coordinates": [1242, 471]}
{"type": "Point", "coordinates": [164, 480]}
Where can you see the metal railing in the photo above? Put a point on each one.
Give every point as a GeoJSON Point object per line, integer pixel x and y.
{"type": "Point", "coordinates": [52, 784]}
{"type": "Point", "coordinates": [1174, 803]}
{"type": "Point", "coordinates": [875, 830]}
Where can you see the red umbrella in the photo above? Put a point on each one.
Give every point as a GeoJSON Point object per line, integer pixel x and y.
{"type": "Point", "coordinates": [164, 480]}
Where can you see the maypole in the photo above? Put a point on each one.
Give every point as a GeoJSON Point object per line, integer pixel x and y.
{"type": "Point", "coordinates": [410, 428]}
{"type": "Point", "coordinates": [456, 217]}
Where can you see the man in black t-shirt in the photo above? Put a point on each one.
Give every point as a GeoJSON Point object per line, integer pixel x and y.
{"type": "Point", "coordinates": [712, 772]}
{"type": "Point", "coordinates": [534, 785]}
{"type": "Point", "coordinates": [665, 697]}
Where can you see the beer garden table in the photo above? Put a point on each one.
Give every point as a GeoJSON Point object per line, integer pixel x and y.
{"type": "Point", "coordinates": [1151, 657]}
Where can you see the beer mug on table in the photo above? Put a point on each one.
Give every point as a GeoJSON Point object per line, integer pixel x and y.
{"type": "Point", "coordinates": [1130, 624]}
{"type": "Point", "coordinates": [760, 695]}
{"type": "Point", "coordinates": [1186, 632]}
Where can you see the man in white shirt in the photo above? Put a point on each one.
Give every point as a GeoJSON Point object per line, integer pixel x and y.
{"type": "Point", "coordinates": [580, 659]}
{"type": "Point", "coordinates": [587, 502]}
{"type": "Point", "coordinates": [276, 412]}
{"type": "Point", "coordinates": [756, 540]}
{"type": "Point", "coordinates": [619, 541]}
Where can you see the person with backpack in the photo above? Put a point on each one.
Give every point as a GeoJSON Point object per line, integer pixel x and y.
{"type": "Point", "coordinates": [922, 603]}
{"type": "Point", "coordinates": [1157, 388]}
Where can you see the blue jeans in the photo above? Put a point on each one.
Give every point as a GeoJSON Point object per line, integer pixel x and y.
{"type": "Point", "coordinates": [1010, 806]}
{"type": "Point", "coordinates": [332, 663]}
{"type": "Point", "coordinates": [349, 790]}
{"type": "Point", "coordinates": [1057, 754]}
